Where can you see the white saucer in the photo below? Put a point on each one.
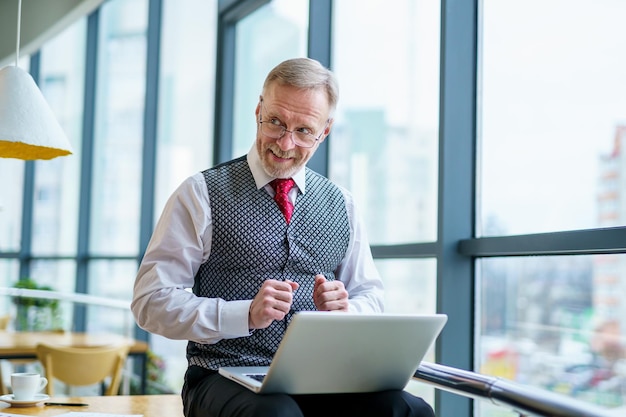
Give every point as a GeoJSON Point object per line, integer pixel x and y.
{"type": "Point", "coordinates": [39, 398]}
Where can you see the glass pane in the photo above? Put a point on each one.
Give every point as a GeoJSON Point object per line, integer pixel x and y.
{"type": "Point", "coordinates": [185, 141]}
{"type": "Point", "coordinates": [185, 136]}
{"type": "Point", "coordinates": [11, 204]}
{"type": "Point", "coordinates": [410, 285]}
{"type": "Point", "coordinates": [116, 187]}
{"type": "Point", "coordinates": [112, 281]}
{"type": "Point", "coordinates": [284, 25]}
{"type": "Point", "coordinates": [411, 288]}
{"type": "Point", "coordinates": [556, 323]}
{"type": "Point", "coordinates": [553, 122]}
{"type": "Point", "coordinates": [9, 275]}
{"type": "Point", "coordinates": [57, 182]}
{"type": "Point", "coordinates": [385, 135]}
{"type": "Point", "coordinates": [59, 276]}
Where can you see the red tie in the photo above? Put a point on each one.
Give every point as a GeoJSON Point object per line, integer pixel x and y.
{"type": "Point", "coordinates": [282, 186]}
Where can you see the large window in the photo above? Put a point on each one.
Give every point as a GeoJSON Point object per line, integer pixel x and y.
{"type": "Point", "coordinates": [553, 118]}
{"type": "Point", "coordinates": [552, 138]}
{"type": "Point", "coordinates": [186, 86]}
{"type": "Point", "coordinates": [56, 193]}
{"type": "Point", "coordinates": [118, 137]}
{"type": "Point", "coordinates": [84, 212]}
{"type": "Point", "coordinates": [51, 206]}
{"type": "Point", "coordinates": [185, 123]}
{"type": "Point", "coordinates": [485, 153]}
{"type": "Point", "coordinates": [383, 145]}
{"type": "Point", "coordinates": [283, 25]}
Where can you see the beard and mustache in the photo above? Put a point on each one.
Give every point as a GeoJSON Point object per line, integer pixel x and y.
{"type": "Point", "coordinates": [296, 160]}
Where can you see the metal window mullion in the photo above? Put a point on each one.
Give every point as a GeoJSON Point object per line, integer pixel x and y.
{"type": "Point", "coordinates": [86, 166]}
{"type": "Point", "coordinates": [229, 13]}
{"type": "Point", "coordinates": [319, 48]}
{"type": "Point", "coordinates": [224, 91]}
{"type": "Point", "coordinates": [457, 152]}
{"type": "Point", "coordinates": [150, 133]}
{"type": "Point", "coordinates": [575, 242]}
{"type": "Point", "coordinates": [150, 127]}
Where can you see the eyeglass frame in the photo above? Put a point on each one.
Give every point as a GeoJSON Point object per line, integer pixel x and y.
{"type": "Point", "coordinates": [285, 130]}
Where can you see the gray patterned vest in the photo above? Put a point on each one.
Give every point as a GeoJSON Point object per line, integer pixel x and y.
{"type": "Point", "coordinates": [253, 243]}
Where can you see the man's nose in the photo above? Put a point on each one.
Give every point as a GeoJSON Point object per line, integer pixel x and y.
{"type": "Point", "coordinates": [286, 141]}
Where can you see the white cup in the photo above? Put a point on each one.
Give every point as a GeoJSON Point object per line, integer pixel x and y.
{"type": "Point", "coordinates": [25, 385]}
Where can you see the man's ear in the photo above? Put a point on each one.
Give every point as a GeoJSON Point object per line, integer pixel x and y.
{"type": "Point", "coordinates": [327, 130]}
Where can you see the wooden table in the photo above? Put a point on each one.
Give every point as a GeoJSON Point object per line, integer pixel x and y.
{"type": "Point", "coordinates": [21, 345]}
{"type": "Point", "coordinates": [146, 405]}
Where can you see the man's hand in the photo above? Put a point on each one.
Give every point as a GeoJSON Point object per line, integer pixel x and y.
{"type": "Point", "coordinates": [329, 295]}
{"type": "Point", "coordinates": [272, 302]}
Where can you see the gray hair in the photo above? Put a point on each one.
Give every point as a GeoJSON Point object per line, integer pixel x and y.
{"type": "Point", "coordinates": [305, 73]}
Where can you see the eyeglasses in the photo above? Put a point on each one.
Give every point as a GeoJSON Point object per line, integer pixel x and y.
{"type": "Point", "coordinates": [302, 137]}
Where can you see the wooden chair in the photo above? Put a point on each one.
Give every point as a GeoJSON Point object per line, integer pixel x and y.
{"type": "Point", "coordinates": [84, 365]}
{"type": "Point", "coordinates": [4, 321]}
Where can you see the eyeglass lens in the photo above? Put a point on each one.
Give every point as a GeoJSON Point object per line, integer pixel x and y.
{"type": "Point", "coordinates": [277, 131]}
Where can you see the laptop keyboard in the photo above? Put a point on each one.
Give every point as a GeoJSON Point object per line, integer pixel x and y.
{"type": "Point", "coordinates": [258, 377]}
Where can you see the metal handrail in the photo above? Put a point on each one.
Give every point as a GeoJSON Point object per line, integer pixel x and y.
{"type": "Point", "coordinates": [75, 298]}
{"type": "Point", "coordinates": [523, 399]}
{"type": "Point", "coordinates": [63, 296]}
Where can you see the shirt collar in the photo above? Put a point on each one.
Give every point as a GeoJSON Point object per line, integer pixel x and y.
{"type": "Point", "coordinates": [260, 176]}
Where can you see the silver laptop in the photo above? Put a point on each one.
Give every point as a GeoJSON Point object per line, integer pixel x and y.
{"type": "Point", "coordinates": [334, 352]}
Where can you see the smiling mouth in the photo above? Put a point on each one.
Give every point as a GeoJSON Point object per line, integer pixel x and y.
{"type": "Point", "coordinates": [280, 156]}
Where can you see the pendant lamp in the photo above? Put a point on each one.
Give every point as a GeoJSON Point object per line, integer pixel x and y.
{"type": "Point", "coordinates": [28, 128]}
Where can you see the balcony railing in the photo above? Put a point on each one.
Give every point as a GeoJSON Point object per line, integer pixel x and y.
{"type": "Point", "coordinates": [76, 298]}
{"type": "Point", "coordinates": [522, 399]}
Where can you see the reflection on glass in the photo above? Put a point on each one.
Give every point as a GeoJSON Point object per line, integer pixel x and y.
{"type": "Point", "coordinates": [185, 136]}
{"type": "Point", "coordinates": [552, 118]}
{"type": "Point", "coordinates": [55, 206]}
{"type": "Point", "coordinates": [410, 285]}
{"type": "Point", "coordinates": [284, 25]}
{"type": "Point", "coordinates": [9, 271]}
{"type": "Point", "coordinates": [411, 288]}
{"type": "Point", "coordinates": [186, 88]}
{"type": "Point", "coordinates": [11, 204]}
{"type": "Point", "coordinates": [112, 280]}
{"type": "Point", "coordinates": [59, 275]}
{"type": "Point", "coordinates": [118, 139]}
{"type": "Point", "coordinates": [384, 140]}
{"type": "Point", "coordinates": [556, 323]}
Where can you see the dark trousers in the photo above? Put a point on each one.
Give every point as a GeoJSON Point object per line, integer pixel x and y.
{"type": "Point", "coordinates": [208, 394]}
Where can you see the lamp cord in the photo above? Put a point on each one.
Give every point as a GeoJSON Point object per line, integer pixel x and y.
{"type": "Point", "coordinates": [17, 45]}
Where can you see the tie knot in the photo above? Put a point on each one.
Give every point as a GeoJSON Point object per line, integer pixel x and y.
{"type": "Point", "coordinates": [282, 185]}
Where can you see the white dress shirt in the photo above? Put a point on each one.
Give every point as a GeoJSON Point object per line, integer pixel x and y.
{"type": "Point", "coordinates": [162, 301]}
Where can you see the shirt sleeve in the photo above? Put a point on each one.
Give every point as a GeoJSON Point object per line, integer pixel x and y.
{"type": "Point", "coordinates": [358, 271]}
{"type": "Point", "coordinates": [162, 299]}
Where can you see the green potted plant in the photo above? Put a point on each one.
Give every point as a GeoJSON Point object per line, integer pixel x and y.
{"type": "Point", "coordinates": [36, 313]}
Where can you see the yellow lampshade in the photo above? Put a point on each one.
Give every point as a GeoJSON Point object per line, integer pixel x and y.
{"type": "Point", "coordinates": [28, 128]}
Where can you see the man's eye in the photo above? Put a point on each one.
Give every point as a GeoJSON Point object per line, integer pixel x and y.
{"type": "Point", "coordinates": [305, 131]}
{"type": "Point", "coordinates": [275, 122]}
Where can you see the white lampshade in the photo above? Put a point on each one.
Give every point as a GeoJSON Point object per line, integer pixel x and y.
{"type": "Point", "coordinates": [28, 128]}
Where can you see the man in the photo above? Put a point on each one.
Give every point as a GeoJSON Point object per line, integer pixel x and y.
{"type": "Point", "coordinates": [254, 252]}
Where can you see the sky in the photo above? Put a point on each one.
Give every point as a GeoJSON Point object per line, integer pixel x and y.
{"type": "Point", "coordinates": [553, 95]}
